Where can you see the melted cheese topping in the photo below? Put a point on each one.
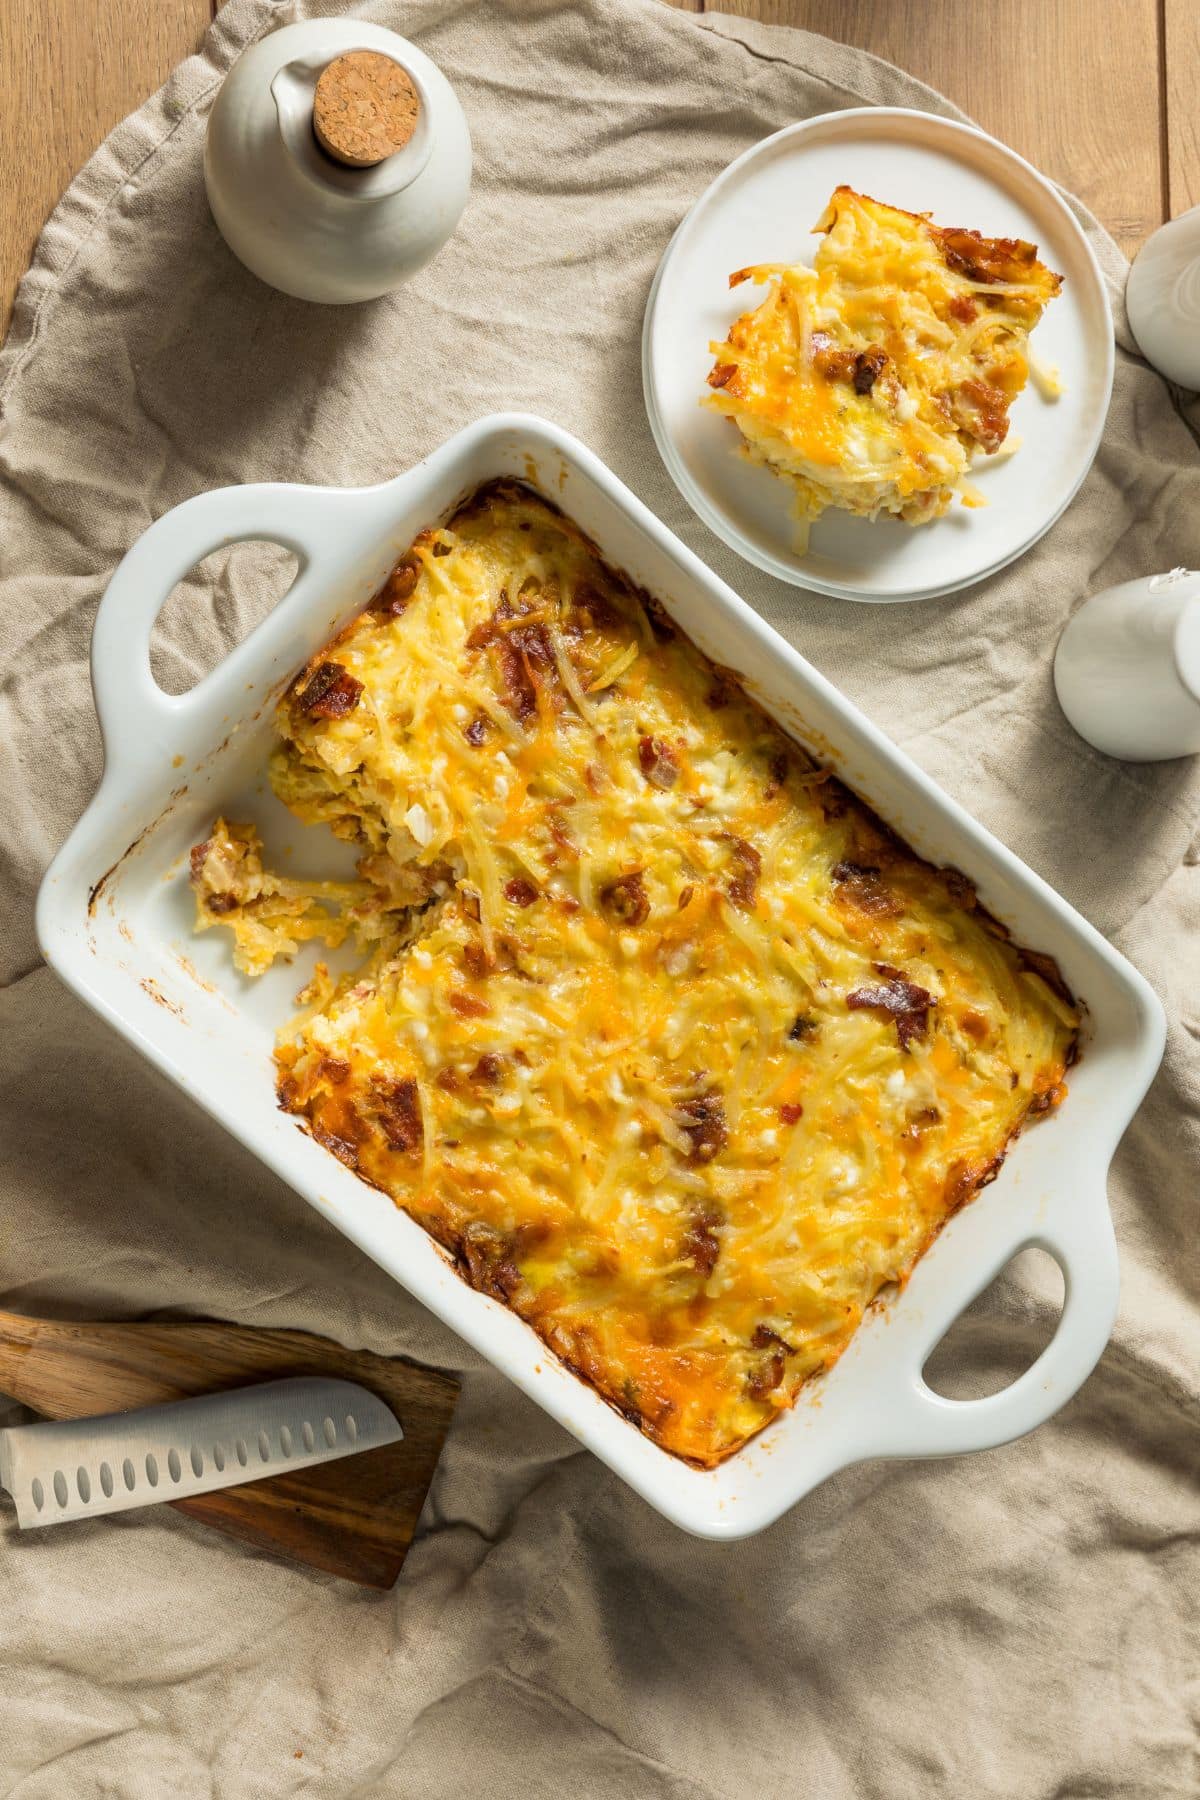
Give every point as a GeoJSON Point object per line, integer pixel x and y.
{"type": "Point", "coordinates": [675, 1046]}
{"type": "Point", "coordinates": [873, 379]}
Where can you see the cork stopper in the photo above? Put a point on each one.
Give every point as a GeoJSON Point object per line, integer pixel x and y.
{"type": "Point", "coordinates": [365, 108]}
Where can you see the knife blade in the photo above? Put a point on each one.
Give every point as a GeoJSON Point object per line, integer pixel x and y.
{"type": "Point", "coordinates": [83, 1468]}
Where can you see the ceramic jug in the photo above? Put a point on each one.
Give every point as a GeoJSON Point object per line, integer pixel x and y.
{"type": "Point", "coordinates": [1127, 668]}
{"type": "Point", "coordinates": [1162, 298]}
{"type": "Point", "coordinates": [301, 220]}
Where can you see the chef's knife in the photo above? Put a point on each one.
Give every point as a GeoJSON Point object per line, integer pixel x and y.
{"type": "Point", "coordinates": [81, 1468]}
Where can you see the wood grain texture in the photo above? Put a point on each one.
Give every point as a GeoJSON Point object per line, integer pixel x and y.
{"type": "Point", "coordinates": [70, 71]}
{"type": "Point", "coordinates": [353, 1518]}
{"type": "Point", "coordinates": [1181, 81]}
{"type": "Point", "coordinates": [1073, 85]}
{"type": "Point", "coordinates": [1101, 94]}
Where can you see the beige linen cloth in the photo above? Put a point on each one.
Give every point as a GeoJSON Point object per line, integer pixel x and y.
{"type": "Point", "coordinates": [1019, 1624]}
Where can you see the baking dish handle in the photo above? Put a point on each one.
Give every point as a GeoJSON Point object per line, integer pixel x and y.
{"type": "Point", "coordinates": [921, 1422]}
{"type": "Point", "coordinates": [135, 713]}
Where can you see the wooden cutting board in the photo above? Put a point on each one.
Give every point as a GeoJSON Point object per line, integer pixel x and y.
{"type": "Point", "coordinates": [355, 1517]}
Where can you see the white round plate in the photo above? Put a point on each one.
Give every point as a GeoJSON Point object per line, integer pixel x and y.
{"type": "Point", "coordinates": [761, 210]}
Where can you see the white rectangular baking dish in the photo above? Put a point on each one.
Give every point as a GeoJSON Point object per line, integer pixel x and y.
{"type": "Point", "coordinates": [115, 917]}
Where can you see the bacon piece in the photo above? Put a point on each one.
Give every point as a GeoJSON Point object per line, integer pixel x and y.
{"type": "Point", "coordinates": [475, 957]}
{"type": "Point", "coordinates": [743, 884]}
{"type": "Point", "coordinates": [520, 891]}
{"type": "Point", "coordinates": [522, 651]}
{"type": "Point", "coordinates": [489, 1262]}
{"type": "Point", "coordinates": [658, 762]}
{"type": "Point", "coordinates": [398, 1107]}
{"type": "Point", "coordinates": [702, 1120]}
{"type": "Point", "coordinates": [701, 1245]}
{"type": "Point", "coordinates": [762, 1337]}
{"type": "Point", "coordinates": [481, 635]}
{"type": "Point", "coordinates": [791, 1111]}
{"type": "Point", "coordinates": [860, 885]}
{"type": "Point", "coordinates": [906, 1003]}
{"type": "Point", "coordinates": [331, 692]}
{"type": "Point", "coordinates": [868, 367]}
{"type": "Point", "coordinates": [393, 597]}
{"type": "Point", "coordinates": [519, 681]}
{"type": "Point", "coordinates": [532, 642]}
{"type": "Point", "coordinates": [834, 363]}
{"type": "Point", "coordinates": [626, 899]}
{"type": "Point", "coordinates": [226, 869]}
{"type": "Point", "coordinates": [982, 258]}
{"type": "Point", "coordinates": [720, 374]}
{"type": "Point", "coordinates": [488, 1070]}
{"type": "Point", "coordinates": [964, 309]}
{"type": "Point", "coordinates": [468, 1006]}
{"type": "Point", "coordinates": [982, 410]}
{"type": "Point", "coordinates": [861, 368]}
{"type": "Point", "coordinates": [768, 1375]}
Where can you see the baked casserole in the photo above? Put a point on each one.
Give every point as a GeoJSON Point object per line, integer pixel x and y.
{"type": "Point", "coordinates": [676, 1048]}
{"type": "Point", "coordinates": [871, 381]}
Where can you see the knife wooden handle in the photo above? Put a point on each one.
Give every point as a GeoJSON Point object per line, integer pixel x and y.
{"type": "Point", "coordinates": [354, 1518]}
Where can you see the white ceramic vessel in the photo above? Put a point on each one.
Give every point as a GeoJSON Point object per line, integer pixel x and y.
{"type": "Point", "coordinates": [1127, 668]}
{"type": "Point", "coordinates": [115, 919]}
{"type": "Point", "coordinates": [761, 209]}
{"type": "Point", "coordinates": [294, 216]}
{"type": "Point", "coordinates": [1162, 298]}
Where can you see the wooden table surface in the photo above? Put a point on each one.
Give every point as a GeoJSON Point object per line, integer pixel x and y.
{"type": "Point", "coordinates": [1100, 94]}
